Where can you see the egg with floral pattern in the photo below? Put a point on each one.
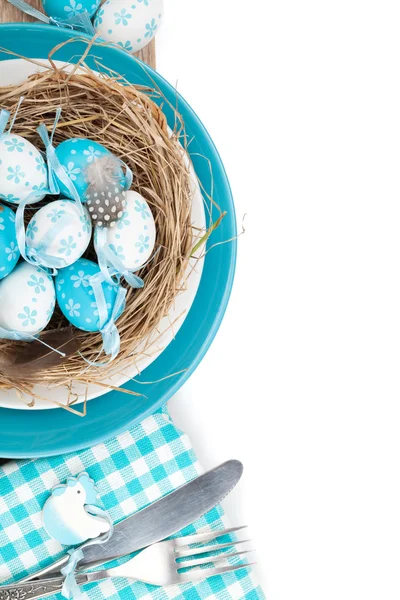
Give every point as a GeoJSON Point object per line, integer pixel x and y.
{"type": "Point", "coordinates": [9, 251]}
{"type": "Point", "coordinates": [133, 238]}
{"type": "Point", "coordinates": [67, 9]}
{"type": "Point", "coordinates": [76, 298]}
{"type": "Point", "coordinates": [58, 234]}
{"type": "Point", "coordinates": [131, 24]}
{"type": "Point", "coordinates": [27, 299]}
{"type": "Point", "coordinates": [23, 171]}
{"type": "Point", "coordinates": [75, 155]}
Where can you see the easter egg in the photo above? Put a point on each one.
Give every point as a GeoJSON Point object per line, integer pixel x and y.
{"type": "Point", "coordinates": [58, 231]}
{"type": "Point", "coordinates": [27, 299]}
{"type": "Point", "coordinates": [75, 155]}
{"type": "Point", "coordinates": [131, 24]}
{"type": "Point", "coordinates": [22, 170]}
{"type": "Point", "coordinates": [9, 251]}
{"type": "Point", "coordinates": [76, 298]}
{"type": "Point", "coordinates": [66, 9]}
{"type": "Point", "coordinates": [132, 239]}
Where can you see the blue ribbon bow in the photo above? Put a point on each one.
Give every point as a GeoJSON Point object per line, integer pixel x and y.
{"type": "Point", "coordinates": [107, 326]}
{"type": "Point", "coordinates": [55, 168]}
{"type": "Point", "coordinates": [80, 21]}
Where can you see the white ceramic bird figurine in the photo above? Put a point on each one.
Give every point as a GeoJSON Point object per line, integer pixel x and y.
{"type": "Point", "coordinates": [66, 515]}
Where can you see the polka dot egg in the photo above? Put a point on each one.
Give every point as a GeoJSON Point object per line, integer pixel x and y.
{"type": "Point", "coordinates": [22, 170]}
{"type": "Point", "coordinates": [131, 24]}
{"type": "Point", "coordinates": [9, 251]}
{"type": "Point", "coordinates": [75, 155]}
{"type": "Point", "coordinates": [27, 299]}
{"type": "Point", "coordinates": [133, 238]}
{"type": "Point", "coordinates": [58, 231]}
{"type": "Point", "coordinates": [75, 295]}
{"type": "Point", "coordinates": [66, 9]}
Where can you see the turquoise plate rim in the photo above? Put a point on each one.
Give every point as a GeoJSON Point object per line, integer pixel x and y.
{"type": "Point", "coordinates": [39, 433]}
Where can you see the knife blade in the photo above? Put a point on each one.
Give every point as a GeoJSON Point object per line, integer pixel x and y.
{"type": "Point", "coordinates": [161, 519]}
{"type": "Point", "coordinates": [168, 515]}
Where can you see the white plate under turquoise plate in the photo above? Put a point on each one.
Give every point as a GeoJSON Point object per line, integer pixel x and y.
{"type": "Point", "coordinates": [12, 73]}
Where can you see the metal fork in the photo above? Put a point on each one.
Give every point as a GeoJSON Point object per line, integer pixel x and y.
{"type": "Point", "coordinates": [160, 564]}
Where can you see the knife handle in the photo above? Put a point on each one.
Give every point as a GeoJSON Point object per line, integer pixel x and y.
{"type": "Point", "coordinates": [37, 589]}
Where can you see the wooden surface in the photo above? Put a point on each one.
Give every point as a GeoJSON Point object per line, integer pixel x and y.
{"type": "Point", "coordinates": [9, 13]}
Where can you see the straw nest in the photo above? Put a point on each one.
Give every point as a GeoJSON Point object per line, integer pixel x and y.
{"type": "Point", "coordinates": [126, 120]}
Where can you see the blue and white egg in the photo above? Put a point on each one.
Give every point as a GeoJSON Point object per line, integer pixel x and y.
{"type": "Point", "coordinates": [66, 9]}
{"type": "Point", "coordinates": [75, 155]}
{"type": "Point", "coordinates": [27, 299]}
{"type": "Point", "coordinates": [9, 251]}
{"type": "Point", "coordinates": [23, 171]}
{"type": "Point", "coordinates": [131, 24]}
{"type": "Point", "coordinates": [58, 231]}
{"type": "Point", "coordinates": [133, 238]}
{"type": "Point", "coordinates": [76, 298]}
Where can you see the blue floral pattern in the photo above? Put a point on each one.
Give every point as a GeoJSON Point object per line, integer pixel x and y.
{"type": "Point", "coordinates": [40, 164]}
{"type": "Point", "coordinates": [28, 316]}
{"type": "Point", "coordinates": [14, 144]}
{"type": "Point", "coordinates": [91, 153]}
{"type": "Point", "coordinates": [142, 208]}
{"type": "Point", "coordinates": [12, 251]}
{"type": "Point", "coordinates": [150, 29]}
{"type": "Point", "coordinates": [73, 308]}
{"type": "Point", "coordinates": [37, 282]}
{"type": "Point", "coordinates": [123, 221]}
{"type": "Point", "coordinates": [86, 225]}
{"type": "Point", "coordinates": [74, 8]}
{"type": "Point", "coordinates": [9, 251]}
{"type": "Point", "coordinates": [66, 246]}
{"type": "Point", "coordinates": [99, 17]}
{"type": "Point", "coordinates": [55, 215]}
{"type": "Point", "coordinates": [122, 17]}
{"type": "Point", "coordinates": [143, 243]}
{"type": "Point", "coordinates": [39, 188]}
{"type": "Point", "coordinates": [80, 279]}
{"type": "Point", "coordinates": [32, 229]}
{"type": "Point", "coordinates": [126, 45]}
{"type": "Point", "coordinates": [15, 174]}
{"type": "Point", "coordinates": [72, 171]}
{"type": "Point", "coordinates": [10, 198]}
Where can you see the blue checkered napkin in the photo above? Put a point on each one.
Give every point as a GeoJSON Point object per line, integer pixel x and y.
{"type": "Point", "coordinates": [131, 471]}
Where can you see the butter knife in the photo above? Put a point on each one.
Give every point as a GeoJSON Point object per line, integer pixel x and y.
{"type": "Point", "coordinates": [159, 520]}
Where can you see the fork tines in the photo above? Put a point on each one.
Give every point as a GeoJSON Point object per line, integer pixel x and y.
{"type": "Point", "coordinates": [217, 562]}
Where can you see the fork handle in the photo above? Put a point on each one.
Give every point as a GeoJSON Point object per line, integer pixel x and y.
{"type": "Point", "coordinates": [37, 589]}
{"type": "Point", "coordinates": [53, 568]}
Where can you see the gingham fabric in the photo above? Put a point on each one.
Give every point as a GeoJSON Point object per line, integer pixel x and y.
{"type": "Point", "coordinates": [130, 471]}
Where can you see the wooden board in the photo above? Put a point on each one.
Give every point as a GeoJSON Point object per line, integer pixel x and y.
{"type": "Point", "coordinates": [9, 13]}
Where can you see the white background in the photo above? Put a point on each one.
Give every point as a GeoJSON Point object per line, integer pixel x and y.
{"type": "Point", "coordinates": [302, 382]}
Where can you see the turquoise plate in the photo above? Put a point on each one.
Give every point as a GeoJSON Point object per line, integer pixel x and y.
{"type": "Point", "coordinates": [48, 432]}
